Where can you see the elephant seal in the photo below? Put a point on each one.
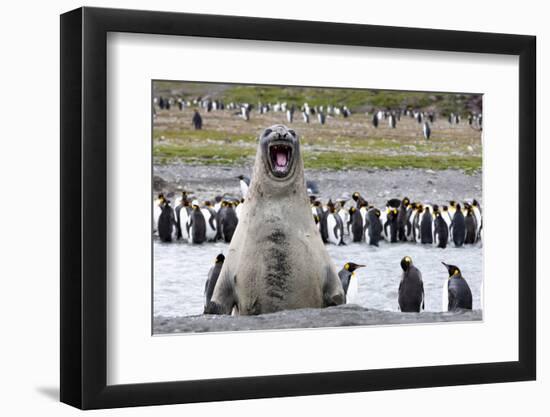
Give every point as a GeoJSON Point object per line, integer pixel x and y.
{"type": "Point", "coordinates": [276, 259]}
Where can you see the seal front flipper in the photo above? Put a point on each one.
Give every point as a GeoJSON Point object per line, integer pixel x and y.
{"type": "Point", "coordinates": [224, 298]}
{"type": "Point", "coordinates": [333, 292]}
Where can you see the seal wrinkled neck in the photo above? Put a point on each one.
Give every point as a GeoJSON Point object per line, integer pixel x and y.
{"type": "Point", "coordinates": [278, 168]}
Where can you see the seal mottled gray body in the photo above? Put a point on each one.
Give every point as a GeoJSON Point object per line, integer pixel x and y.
{"type": "Point", "coordinates": [276, 259]}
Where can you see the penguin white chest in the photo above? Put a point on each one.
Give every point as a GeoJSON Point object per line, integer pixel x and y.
{"type": "Point", "coordinates": [332, 230]}
{"type": "Point", "coordinates": [184, 221]}
{"type": "Point", "coordinates": [156, 214]}
{"type": "Point", "coordinates": [353, 290]}
{"type": "Point", "coordinates": [210, 230]}
{"type": "Point", "coordinates": [363, 211]}
{"type": "Point", "coordinates": [445, 296]}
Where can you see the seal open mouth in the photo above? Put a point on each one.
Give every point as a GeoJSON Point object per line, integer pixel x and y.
{"type": "Point", "coordinates": [280, 156]}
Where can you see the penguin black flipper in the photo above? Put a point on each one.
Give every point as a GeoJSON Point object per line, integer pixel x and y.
{"type": "Point", "coordinates": [178, 223]}
{"type": "Point", "coordinates": [212, 221]}
{"type": "Point", "coordinates": [189, 225]}
{"type": "Point", "coordinates": [335, 230]}
{"type": "Point", "coordinates": [452, 299]}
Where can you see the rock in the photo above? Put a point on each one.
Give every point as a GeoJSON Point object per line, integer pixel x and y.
{"type": "Point", "coordinates": [159, 183]}
{"type": "Point", "coordinates": [345, 315]}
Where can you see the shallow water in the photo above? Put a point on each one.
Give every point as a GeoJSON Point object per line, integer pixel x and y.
{"type": "Point", "coordinates": [180, 272]}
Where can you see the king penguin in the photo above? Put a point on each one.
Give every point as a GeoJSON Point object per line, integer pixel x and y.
{"type": "Point", "coordinates": [477, 213]}
{"type": "Point", "coordinates": [426, 224]}
{"type": "Point", "coordinates": [182, 217]}
{"type": "Point", "coordinates": [157, 210]}
{"type": "Point", "coordinates": [470, 222]}
{"type": "Point", "coordinates": [373, 235]}
{"type": "Point", "coordinates": [411, 288]}
{"type": "Point", "coordinates": [456, 291]}
{"type": "Point", "coordinates": [244, 183]}
{"type": "Point", "coordinates": [166, 222]}
{"type": "Point", "coordinates": [441, 231]}
{"type": "Point", "coordinates": [458, 227]}
{"type": "Point", "coordinates": [228, 222]}
{"type": "Point", "coordinates": [356, 221]}
{"type": "Point", "coordinates": [335, 226]}
{"type": "Point", "coordinates": [349, 281]}
{"type": "Point", "coordinates": [415, 220]}
{"type": "Point", "coordinates": [403, 224]}
{"type": "Point", "coordinates": [196, 227]}
{"type": "Point", "coordinates": [426, 131]}
{"type": "Point", "coordinates": [447, 217]}
{"type": "Point", "coordinates": [212, 279]}
{"type": "Point", "coordinates": [390, 226]}
{"type": "Point", "coordinates": [211, 221]}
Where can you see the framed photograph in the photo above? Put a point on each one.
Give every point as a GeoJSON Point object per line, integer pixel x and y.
{"type": "Point", "coordinates": [257, 208]}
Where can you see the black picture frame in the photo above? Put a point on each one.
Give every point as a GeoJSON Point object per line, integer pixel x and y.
{"type": "Point", "coordinates": [84, 207]}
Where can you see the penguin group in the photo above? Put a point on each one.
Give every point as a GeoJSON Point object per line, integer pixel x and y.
{"type": "Point", "coordinates": [342, 221]}
{"type": "Point", "coordinates": [456, 294]}
{"type": "Point", "coordinates": [321, 113]}
{"type": "Point", "coordinates": [193, 222]}
{"type": "Point", "coordinates": [401, 220]}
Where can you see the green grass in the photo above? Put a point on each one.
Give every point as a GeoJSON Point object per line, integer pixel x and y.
{"type": "Point", "coordinates": [213, 154]}
{"type": "Point", "coordinates": [200, 135]}
{"type": "Point", "coordinates": [234, 155]}
{"type": "Point", "coordinates": [331, 160]}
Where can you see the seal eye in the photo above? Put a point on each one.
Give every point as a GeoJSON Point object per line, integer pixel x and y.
{"type": "Point", "coordinates": [292, 132]}
{"type": "Point", "coordinates": [267, 132]}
